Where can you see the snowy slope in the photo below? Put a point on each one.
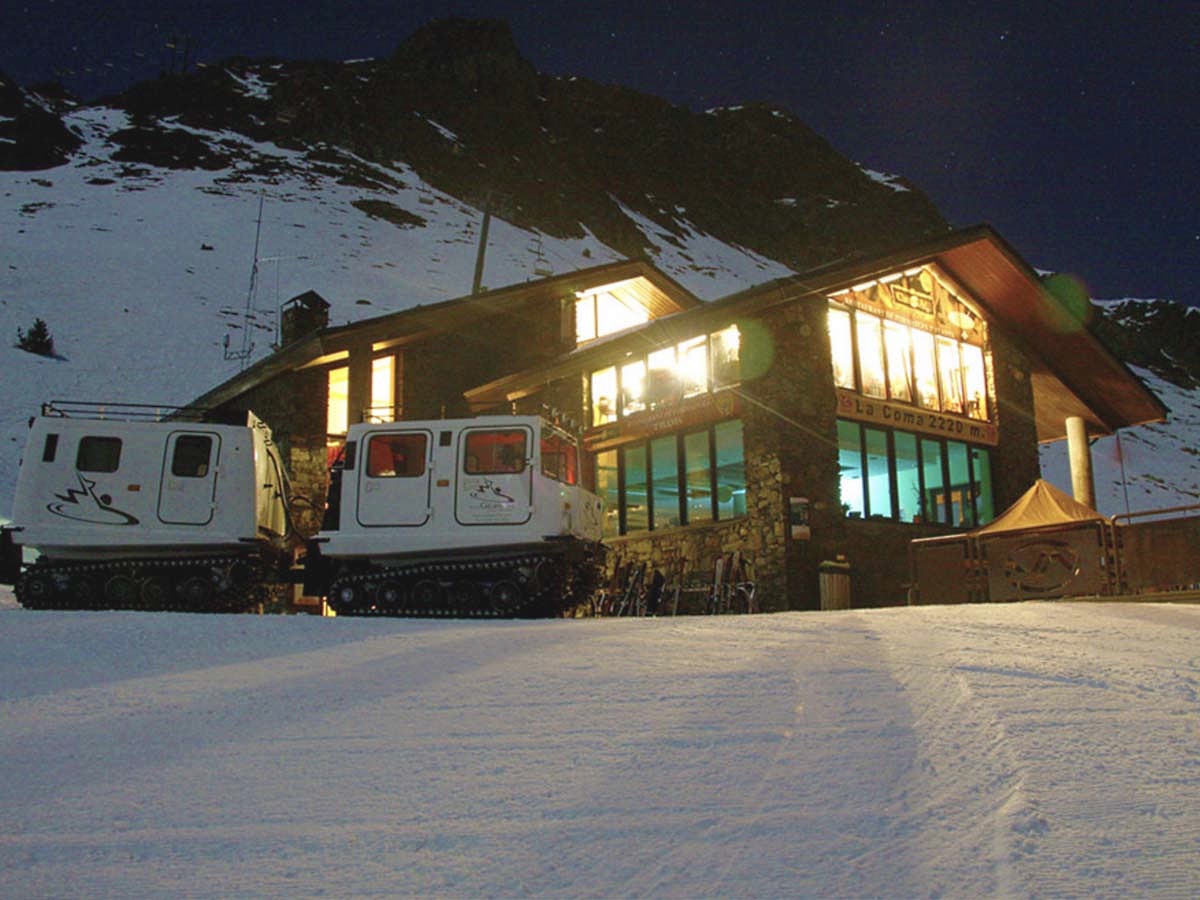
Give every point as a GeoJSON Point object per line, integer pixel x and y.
{"type": "Point", "coordinates": [1024, 750]}
{"type": "Point", "coordinates": [1144, 468]}
{"type": "Point", "coordinates": [141, 273]}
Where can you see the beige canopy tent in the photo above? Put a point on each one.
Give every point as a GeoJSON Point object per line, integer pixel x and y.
{"type": "Point", "coordinates": [1040, 506]}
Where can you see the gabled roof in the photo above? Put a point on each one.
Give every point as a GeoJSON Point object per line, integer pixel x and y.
{"type": "Point", "coordinates": [1072, 372]}
{"type": "Point", "coordinates": [634, 279]}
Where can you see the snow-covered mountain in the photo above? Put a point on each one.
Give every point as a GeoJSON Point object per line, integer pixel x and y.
{"type": "Point", "coordinates": [158, 232]}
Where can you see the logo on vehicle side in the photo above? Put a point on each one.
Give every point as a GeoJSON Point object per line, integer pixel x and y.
{"type": "Point", "coordinates": [82, 505]}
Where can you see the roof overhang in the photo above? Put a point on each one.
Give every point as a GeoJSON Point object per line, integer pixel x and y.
{"type": "Point", "coordinates": [633, 280]}
{"type": "Point", "coordinates": [1072, 373]}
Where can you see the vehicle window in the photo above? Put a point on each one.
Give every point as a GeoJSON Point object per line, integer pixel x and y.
{"type": "Point", "coordinates": [50, 450]}
{"type": "Point", "coordinates": [559, 458]}
{"type": "Point", "coordinates": [498, 452]}
{"type": "Point", "coordinates": [98, 454]}
{"type": "Point", "coordinates": [396, 455]}
{"type": "Point", "coordinates": [192, 453]}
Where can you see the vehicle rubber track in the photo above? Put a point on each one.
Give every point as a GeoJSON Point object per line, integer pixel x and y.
{"type": "Point", "coordinates": [218, 584]}
{"type": "Point", "coordinates": [520, 585]}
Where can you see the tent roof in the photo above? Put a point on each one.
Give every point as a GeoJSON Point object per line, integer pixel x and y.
{"type": "Point", "coordinates": [1041, 505]}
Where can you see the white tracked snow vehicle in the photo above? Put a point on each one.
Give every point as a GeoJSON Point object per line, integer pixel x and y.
{"type": "Point", "coordinates": [461, 517]}
{"type": "Point", "coordinates": [466, 517]}
{"type": "Point", "coordinates": [128, 511]}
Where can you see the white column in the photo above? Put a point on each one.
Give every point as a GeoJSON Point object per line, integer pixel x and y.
{"type": "Point", "coordinates": [1083, 485]}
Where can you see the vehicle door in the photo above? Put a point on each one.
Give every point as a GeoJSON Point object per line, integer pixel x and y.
{"type": "Point", "coordinates": [394, 478]}
{"type": "Point", "coordinates": [188, 486]}
{"type": "Point", "coordinates": [495, 476]}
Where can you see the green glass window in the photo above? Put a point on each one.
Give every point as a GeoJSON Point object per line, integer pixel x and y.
{"type": "Point", "coordinates": [908, 476]}
{"type": "Point", "coordinates": [985, 503]}
{"type": "Point", "coordinates": [637, 499]}
{"type": "Point", "coordinates": [664, 463]}
{"type": "Point", "coordinates": [698, 473]}
{"type": "Point", "coordinates": [935, 483]}
{"type": "Point", "coordinates": [731, 470]}
{"type": "Point", "coordinates": [850, 468]}
{"type": "Point", "coordinates": [879, 486]}
{"type": "Point", "coordinates": [962, 493]}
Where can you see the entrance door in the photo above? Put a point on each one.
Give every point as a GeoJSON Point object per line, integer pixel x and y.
{"type": "Point", "coordinates": [393, 488]}
{"type": "Point", "coordinates": [189, 478]}
{"type": "Point", "coordinates": [495, 476]}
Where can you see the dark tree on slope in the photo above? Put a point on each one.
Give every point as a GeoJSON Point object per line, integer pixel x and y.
{"type": "Point", "coordinates": [37, 339]}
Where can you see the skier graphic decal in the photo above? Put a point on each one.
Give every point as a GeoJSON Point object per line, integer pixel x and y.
{"type": "Point", "coordinates": [490, 494]}
{"type": "Point", "coordinates": [84, 506]}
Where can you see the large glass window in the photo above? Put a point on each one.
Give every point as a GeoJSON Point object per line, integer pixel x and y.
{"type": "Point", "coordinates": [608, 487]}
{"type": "Point", "coordinates": [975, 380]}
{"type": "Point", "coordinates": [698, 464]}
{"type": "Point", "coordinates": [879, 484]}
{"type": "Point", "coordinates": [896, 475]}
{"type": "Point", "coordinates": [898, 346]}
{"type": "Point", "coordinates": [731, 470]}
{"type": "Point", "coordinates": [841, 347]}
{"type": "Point", "coordinates": [870, 355]}
{"type": "Point", "coordinates": [851, 468]}
{"type": "Point", "coordinates": [908, 477]}
{"type": "Point", "coordinates": [383, 389]}
{"type": "Point", "coordinates": [950, 375]}
{"type": "Point", "coordinates": [637, 498]}
{"type": "Point", "coordinates": [664, 463]}
{"type": "Point", "coordinates": [604, 396]}
{"type": "Point", "coordinates": [925, 369]}
{"type": "Point", "coordinates": [664, 376]}
{"type": "Point", "coordinates": [644, 484]}
{"type": "Point", "coordinates": [933, 481]}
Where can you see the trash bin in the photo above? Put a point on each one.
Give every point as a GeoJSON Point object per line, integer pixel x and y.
{"type": "Point", "coordinates": [835, 583]}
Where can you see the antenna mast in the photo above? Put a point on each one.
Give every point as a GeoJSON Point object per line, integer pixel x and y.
{"type": "Point", "coordinates": [248, 316]}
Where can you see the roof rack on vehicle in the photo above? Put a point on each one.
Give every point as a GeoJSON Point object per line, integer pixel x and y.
{"type": "Point", "coordinates": [128, 412]}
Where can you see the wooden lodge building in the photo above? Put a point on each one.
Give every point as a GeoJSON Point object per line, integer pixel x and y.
{"type": "Point", "coordinates": [841, 412]}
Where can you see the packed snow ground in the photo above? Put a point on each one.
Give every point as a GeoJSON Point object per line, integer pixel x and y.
{"type": "Point", "coordinates": [1010, 750]}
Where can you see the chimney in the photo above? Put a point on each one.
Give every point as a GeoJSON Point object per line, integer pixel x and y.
{"type": "Point", "coordinates": [301, 316]}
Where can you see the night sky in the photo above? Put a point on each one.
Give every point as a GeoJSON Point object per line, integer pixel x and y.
{"type": "Point", "coordinates": [1069, 128]}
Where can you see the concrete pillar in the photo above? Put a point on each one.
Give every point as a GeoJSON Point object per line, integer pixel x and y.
{"type": "Point", "coordinates": [1079, 452]}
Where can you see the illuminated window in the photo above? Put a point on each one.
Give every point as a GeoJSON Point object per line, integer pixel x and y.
{"type": "Point", "coordinates": [950, 375]}
{"type": "Point", "coordinates": [601, 313]}
{"type": "Point", "coordinates": [841, 347]}
{"type": "Point", "coordinates": [644, 485]}
{"type": "Point", "coordinates": [383, 389]}
{"type": "Point", "coordinates": [925, 369]}
{"type": "Point", "coordinates": [633, 387]}
{"type": "Point", "coordinates": [975, 380]}
{"type": "Point", "coordinates": [662, 383]}
{"type": "Point", "coordinates": [726, 357]}
{"type": "Point", "coordinates": [688, 369]}
{"type": "Point", "coordinates": [693, 366]}
{"type": "Point", "coordinates": [898, 347]}
{"type": "Point", "coordinates": [896, 475]}
{"type": "Point", "coordinates": [870, 354]}
{"type": "Point", "coordinates": [337, 418]}
{"type": "Point", "coordinates": [604, 396]}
